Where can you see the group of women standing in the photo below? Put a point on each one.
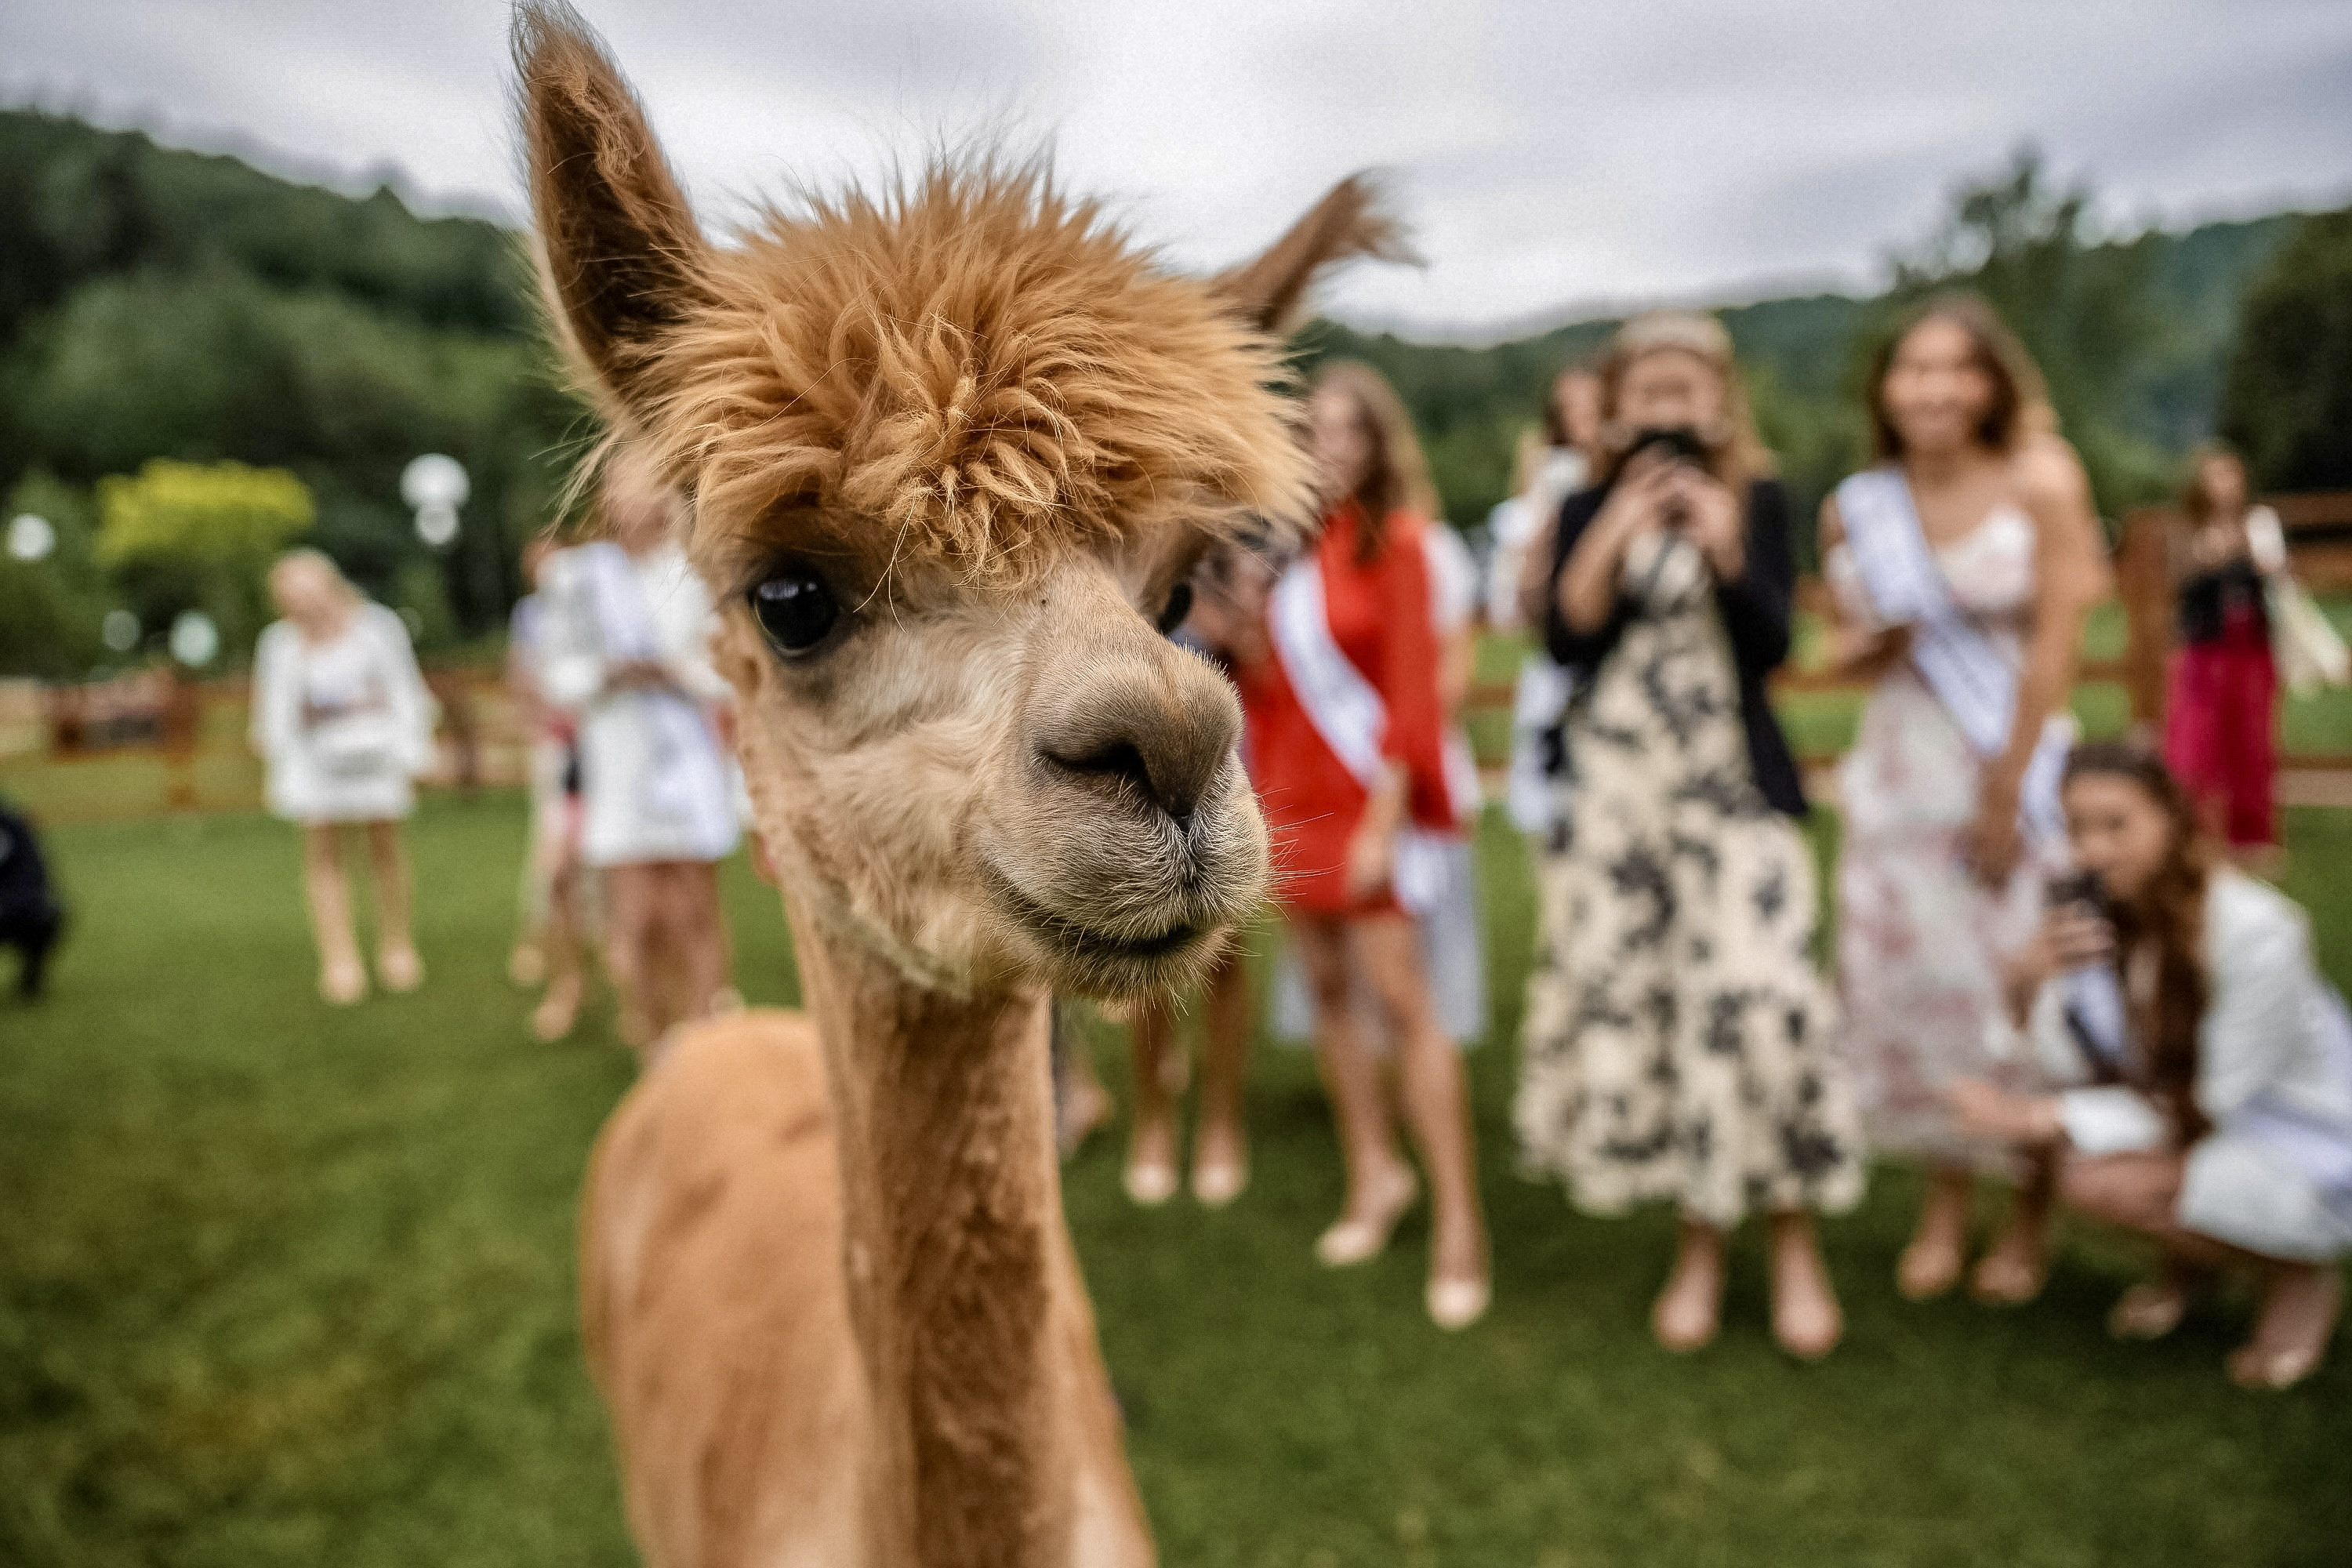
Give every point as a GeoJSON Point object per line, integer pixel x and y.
{"type": "Point", "coordinates": [633, 790]}
{"type": "Point", "coordinates": [2004, 896]}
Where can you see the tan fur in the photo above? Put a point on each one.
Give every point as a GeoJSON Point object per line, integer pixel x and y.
{"type": "Point", "coordinates": [828, 1291]}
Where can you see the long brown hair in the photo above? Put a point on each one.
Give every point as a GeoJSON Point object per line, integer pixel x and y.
{"type": "Point", "coordinates": [1736, 454]}
{"type": "Point", "coordinates": [1397, 478]}
{"type": "Point", "coordinates": [2169, 913]}
{"type": "Point", "coordinates": [2196, 499]}
{"type": "Point", "coordinates": [2021, 402]}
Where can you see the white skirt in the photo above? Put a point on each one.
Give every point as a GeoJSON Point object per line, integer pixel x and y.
{"type": "Point", "coordinates": [1453, 954]}
{"type": "Point", "coordinates": [301, 790]}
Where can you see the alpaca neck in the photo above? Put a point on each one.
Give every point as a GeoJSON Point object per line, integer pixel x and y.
{"type": "Point", "coordinates": [951, 1209]}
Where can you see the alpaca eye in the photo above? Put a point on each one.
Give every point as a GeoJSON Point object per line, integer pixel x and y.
{"type": "Point", "coordinates": [1179, 606]}
{"type": "Point", "coordinates": [794, 609]}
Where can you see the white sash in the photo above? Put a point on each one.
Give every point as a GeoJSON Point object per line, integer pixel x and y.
{"type": "Point", "coordinates": [1348, 713]}
{"type": "Point", "coordinates": [1978, 687]}
{"type": "Point", "coordinates": [1961, 666]}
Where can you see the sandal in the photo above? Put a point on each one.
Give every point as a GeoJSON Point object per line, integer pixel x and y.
{"type": "Point", "coordinates": [1359, 1238]}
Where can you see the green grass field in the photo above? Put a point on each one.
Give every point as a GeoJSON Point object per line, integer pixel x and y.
{"type": "Point", "coordinates": [285, 1286]}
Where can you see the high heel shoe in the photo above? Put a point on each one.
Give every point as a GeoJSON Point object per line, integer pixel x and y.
{"type": "Point", "coordinates": [1360, 1238]}
{"type": "Point", "coordinates": [1456, 1304]}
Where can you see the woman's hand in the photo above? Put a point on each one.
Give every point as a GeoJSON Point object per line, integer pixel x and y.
{"type": "Point", "coordinates": [1993, 845]}
{"type": "Point", "coordinates": [1709, 515]}
{"type": "Point", "coordinates": [1371, 848]}
{"type": "Point", "coordinates": [1588, 585]}
{"type": "Point", "coordinates": [1371, 860]}
{"type": "Point", "coordinates": [638, 675]}
{"type": "Point", "coordinates": [2069, 937]}
{"type": "Point", "coordinates": [1991, 1112]}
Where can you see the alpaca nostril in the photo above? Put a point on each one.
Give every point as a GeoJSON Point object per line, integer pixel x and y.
{"type": "Point", "coordinates": [1123, 760]}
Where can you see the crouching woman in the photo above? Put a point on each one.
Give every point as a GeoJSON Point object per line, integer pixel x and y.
{"type": "Point", "coordinates": [2214, 1066]}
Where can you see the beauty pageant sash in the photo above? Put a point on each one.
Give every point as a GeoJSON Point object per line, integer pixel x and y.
{"type": "Point", "coordinates": [1348, 713]}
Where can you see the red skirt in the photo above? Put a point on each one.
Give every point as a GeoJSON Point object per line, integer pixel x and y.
{"type": "Point", "coordinates": [2221, 732]}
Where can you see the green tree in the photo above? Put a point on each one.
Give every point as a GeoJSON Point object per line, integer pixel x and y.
{"type": "Point", "coordinates": [2288, 402]}
{"type": "Point", "coordinates": [181, 536]}
{"type": "Point", "coordinates": [52, 610]}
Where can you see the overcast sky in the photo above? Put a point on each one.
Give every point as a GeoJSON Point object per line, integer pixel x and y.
{"type": "Point", "coordinates": [1546, 153]}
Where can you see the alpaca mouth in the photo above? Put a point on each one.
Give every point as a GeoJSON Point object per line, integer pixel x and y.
{"type": "Point", "coordinates": [1067, 934]}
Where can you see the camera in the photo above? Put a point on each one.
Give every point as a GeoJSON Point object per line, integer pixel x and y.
{"type": "Point", "coordinates": [1680, 444]}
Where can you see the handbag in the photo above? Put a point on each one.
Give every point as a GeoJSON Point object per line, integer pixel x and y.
{"type": "Point", "coordinates": [2309, 651]}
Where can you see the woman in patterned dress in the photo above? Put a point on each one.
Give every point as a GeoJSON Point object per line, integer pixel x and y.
{"type": "Point", "coordinates": [1938, 887]}
{"type": "Point", "coordinates": [1685, 1047]}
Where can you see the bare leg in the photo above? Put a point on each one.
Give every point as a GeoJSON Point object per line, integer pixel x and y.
{"type": "Point", "coordinates": [1690, 1309]}
{"type": "Point", "coordinates": [2017, 1266]}
{"type": "Point", "coordinates": [396, 962]}
{"type": "Point", "coordinates": [1806, 1319]}
{"type": "Point", "coordinates": [341, 978]}
{"type": "Point", "coordinates": [1151, 1146]}
{"type": "Point", "coordinates": [1931, 1265]}
{"type": "Point", "coordinates": [2299, 1299]}
{"type": "Point", "coordinates": [701, 927]}
{"type": "Point", "coordinates": [2300, 1304]}
{"type": "Point", "coordinates": [559, 1005]}
{"type": "Point", "coordinates": [1220, 1142]}
{"type": "Point", "coordinates": [1379, 1185]}
{"type": "Point", "coordinates": [1436, 1101]}
{"type": "Point", "coordinates": [630, 895]}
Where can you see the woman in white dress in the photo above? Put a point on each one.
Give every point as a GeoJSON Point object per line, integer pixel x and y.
{"type": "Point", "coordinates": [627, 641]}
{"type": "Point", "coordinates": [554, 926]}
{"type": "Point", "coordinates": [341, 716]}
{"type": "Point", "coordinates": [2215, 1113]}
{"type": "Point", "coordinates": [1985, 517]}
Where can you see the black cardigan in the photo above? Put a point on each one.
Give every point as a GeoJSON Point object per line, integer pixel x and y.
{"type": "Point", "coordinates": [1755, 611]}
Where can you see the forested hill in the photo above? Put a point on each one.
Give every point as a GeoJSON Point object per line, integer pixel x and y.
{"type": "Point", "coordinates": [161, 303]}
{"type": "Point", "coordinates": [155, 302]}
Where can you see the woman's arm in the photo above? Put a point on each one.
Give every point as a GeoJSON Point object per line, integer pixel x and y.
{"type": "Point", "coordinates": [410, 699]}
{"type": "Point", "coordinates": [1755, 603]}
{"type": "Point", "coordinates": [276, 692]}
{"type": "Point", "coordinates": [1589, 582]}
{"type": "Point", "coordinates": [1857, 650]}
{"type": "Point", "coordinates": [573, 671]}
{"type": "Point", "coordinates": [1411, 661]}
{"type": "Point", "coordinates": [2262, 978]}
{"type": "Point", "coordinates": [2070, 565]}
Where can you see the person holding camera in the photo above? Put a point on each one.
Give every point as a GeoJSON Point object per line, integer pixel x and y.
{"type": "Point", "coordinates": [2211, 1105]}
{"type": "Point", "coordinates": [1685, 1050]}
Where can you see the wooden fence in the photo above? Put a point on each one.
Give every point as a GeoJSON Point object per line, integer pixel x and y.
{"type": "Point", "coordinates": [158, 715]}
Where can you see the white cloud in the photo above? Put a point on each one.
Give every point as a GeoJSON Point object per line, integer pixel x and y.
{"type": "Point", "coordinates": [1545, 152]}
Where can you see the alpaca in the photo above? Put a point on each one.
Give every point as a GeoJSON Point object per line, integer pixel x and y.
{"type": "Point", "coordinates": [952, 453]}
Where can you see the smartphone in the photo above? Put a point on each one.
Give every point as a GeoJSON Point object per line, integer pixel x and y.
{"type": "Point", "coordinates": [2078, 887]}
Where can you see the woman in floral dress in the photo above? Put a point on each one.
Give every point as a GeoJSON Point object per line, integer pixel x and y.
{"type": "Point", "coordinates": [1939, 883]}
{"type": "Point", "coordinates": [1683, 1048]}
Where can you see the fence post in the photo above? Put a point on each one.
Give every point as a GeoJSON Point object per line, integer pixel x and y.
{"type": "Point", "coordinates": [2144, 579]}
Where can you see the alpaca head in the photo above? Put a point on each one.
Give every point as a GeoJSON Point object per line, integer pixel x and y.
{"type": "Point", "coordinates": [952, 452]}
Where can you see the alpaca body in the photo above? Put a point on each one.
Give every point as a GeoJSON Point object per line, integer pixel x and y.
{"type": "Point", "coordinates": [716, 1317]}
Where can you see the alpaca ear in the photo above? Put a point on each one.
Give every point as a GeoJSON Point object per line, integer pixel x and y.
{"type": "Point", "coordinates": [620, 254]}
{"type": "Point", "coordinates": [1271, 291]}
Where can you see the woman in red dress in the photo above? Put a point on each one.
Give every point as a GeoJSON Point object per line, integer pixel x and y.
{"type": "Point", "coordinates": [2222, 712]}
{"type": "Point", "coordinates": [1345, 738]}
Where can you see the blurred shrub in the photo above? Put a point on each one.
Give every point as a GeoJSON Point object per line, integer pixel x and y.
{"type": "Point", "coordinates": [189, 536]}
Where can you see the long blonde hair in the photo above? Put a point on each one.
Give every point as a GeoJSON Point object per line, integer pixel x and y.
{"type": "Point", "coordinates": [1398, 476]}
{"type": "Point", "coordinates": [1736, 455]}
